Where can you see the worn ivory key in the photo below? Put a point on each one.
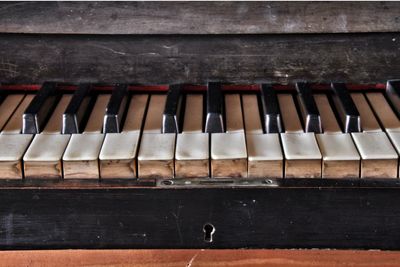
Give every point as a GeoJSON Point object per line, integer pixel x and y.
{"type": "Point", "coordinates": [80, 159]}
{"type": "Point", "coordinates": [265, 159]}
{"type": "Point", "coordinates": [119, 150]}
{"type": "Point", "coordinates": [368, 121]}
{"type": "Point", "coordinates": [192, 145]}
{"type": "Point", "coordinates": [43, 159]}
{"type": "Point", "coordinates": [228, 150]}
{"type": "Point", "coordinates": [340, 158]}
{"type": "Point", "coordinates": [12, 149]}
{"type": "Point", "coordinates": [302, 155]}
{"type": "Point", "coordinates": [14, 124]}
{"type": "Point", "coordinates": [378, 157]}
{"type": "Point", "coordinates": [8, 106]}
{"type": "Point", "coordinates": [156, 152]}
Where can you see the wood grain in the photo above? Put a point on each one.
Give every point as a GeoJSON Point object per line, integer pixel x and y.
{"type": "Point", "coordinates": [197, 258]}
{"type": "Point", "coordinates": [353, 58]}
{"type": "Point", "coordinates": [198, 18]}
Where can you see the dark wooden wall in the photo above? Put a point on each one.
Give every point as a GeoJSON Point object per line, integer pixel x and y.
{"type": "Point", "coordinates": [163, 59]}
{"type": "Point", "coordinates": [198, 17]}
{"type": "Point", "coordinates": [196, 42]}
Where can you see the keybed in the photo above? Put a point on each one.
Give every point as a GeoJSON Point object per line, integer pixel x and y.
{"type": "Point", "coordinates": [264, 134]}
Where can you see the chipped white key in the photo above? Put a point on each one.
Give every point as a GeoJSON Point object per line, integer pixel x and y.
{"type": "Point", "coordinates": [192, 155]}
{"type": "Point", "coordinates": [265, 158]}
{"type": "Point", "coordinates": [156, 156]}
{"type": "Point", "coordinates": [228, 155]}
{"type": "Point", "coordinates": [44, 155]}
{"type": "Point", "coordinates": [378, 157]}
{"type": "Point", "coordinates": [12, 149]}
{"type": "Point", "coordinates": [118, 155]}
{"type": "Point", "coordinates": [303, 158]}
{"type": "Point", "coordinates": [340, 158]}
{"type": "Point", "coordinates": [80, 159]}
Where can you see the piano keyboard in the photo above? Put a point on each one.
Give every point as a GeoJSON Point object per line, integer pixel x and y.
{"type": "Point", "coordinates": [271, 133]}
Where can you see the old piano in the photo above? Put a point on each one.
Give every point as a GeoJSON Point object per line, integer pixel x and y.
{"type": "Point", "coordinates": [199, 125]}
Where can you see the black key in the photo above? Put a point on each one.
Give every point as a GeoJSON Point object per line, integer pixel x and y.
{"type": "Point", "coordinates": [348, 113]}
{"type": "Point", "coordinates": [308, 108]}
{"type": "Point", "coordinates": [271, 112]}
{"type": "Point", "coordinates": [40, 109]}
{"type": "Point", "coordinates": [115, 109]}
{"type": "Point", "coordinates": [170, 122]}
{"type": "Point", "coordinates": [214, 120]}
{"type": "Point", "coordinates": [76, 111]}
{"type": "Point", "coordinates": [393, 93]}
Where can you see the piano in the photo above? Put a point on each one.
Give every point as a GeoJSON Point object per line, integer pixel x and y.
{"type": "Point", "coordinates": [166, 137]}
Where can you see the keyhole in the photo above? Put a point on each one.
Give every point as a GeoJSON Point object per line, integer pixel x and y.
{"type": "Point", "coordinates": [208, 230]}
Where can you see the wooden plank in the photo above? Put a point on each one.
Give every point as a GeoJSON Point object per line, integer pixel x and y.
{"type": "Point", "coordinates": [95, 121]}
{"type": "Point", "coordinates": [211, 258]}
{"type": "Point", "coordinates": [54, 125]}
{"type": "Point", "coordinates": [385, 114]}
{"type": "Point", "coordinates": [251, 115]}
{"type": "Point", "coordinates": [290, 117]}
{"type": "Point", "coordinates": [154, 114]}
{"type": "Point", "coordinates": [199, 18]}
{"type": "Point", "coordinates": [233, 113]}
{"type": "Point", "coordinates": [353, 58]}
{"type": "Point", "coordinates": [135, 113]}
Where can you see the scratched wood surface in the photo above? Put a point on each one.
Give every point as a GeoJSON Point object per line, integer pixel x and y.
{"type": "Point", "coordinates": [163, 59]}
{"type": "Point", "coordinates": [197, 258]}
{"type": "Point", "coordinates": [198, 17]}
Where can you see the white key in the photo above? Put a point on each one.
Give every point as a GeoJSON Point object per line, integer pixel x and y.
{"type": "Point", "coordinates": [156, 156]}
{"type": "Point", "coordinates": [384, 112]}
{"type": "Point", "coordinates": [339, 155]}
{"type": "Point", "coordinates": [265, 158]}
{"type": "Point", "coordinates": [44, 155]}
{"type": "Point", "coordinates": [12, 149]}
{"type": "Point", "coordinates": [192, 149]}
{"type": "Point", "coordinates": [135, 114]}
{"type": "Point", "coordinates": [95, 122]}
{"type": "Point", "coordinates": [233, 111]}
{"type": "Point", "coordinates": [118, 155]}
{"type": "Point", "coordinates": [154, 114]}
{"type": "Point", "coordinates": [80, 159]}
{"type": "Point", "coordinates": [303, 158]}
{"type": "Point", "coordinates": [368, 120]}
{"type": "Point", "coordinates": [8, 107]}
{"type": "Point", "coordinates": [289, 114]}
{"type": "Point", "coordinates": [191, 155]}
{"type": "Point", "coordinates": [14, 125]}
{"type": "Point", "coordinates": [328, 119]}
{"type": "Point", "coordinates": [193, 119]}
{"type": "Point", "coordinates": [378, 157]}
{"type": "Point", "coordinates": [54, 125]}
{"type": "Point", "coordinates": [228, 155]}
{"type": "Point", "coordinates": [251, 115]}
{"type": "Point", "coordinates": [228, 150]}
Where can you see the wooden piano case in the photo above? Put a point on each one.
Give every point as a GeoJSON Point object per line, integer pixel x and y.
{"type": "Point", "coordinates": [193, 43]}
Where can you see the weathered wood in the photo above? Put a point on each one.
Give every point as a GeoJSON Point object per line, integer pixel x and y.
{"type": "Point", "coordinates": [354, 58]}
{"type": "Point", "coordinates": [318, 217]}
{"type": "Point", "coordinates": [198, 17]}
